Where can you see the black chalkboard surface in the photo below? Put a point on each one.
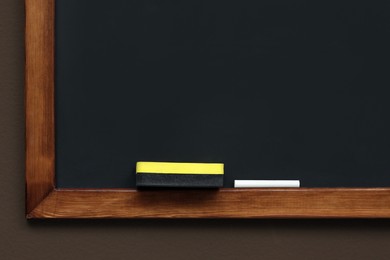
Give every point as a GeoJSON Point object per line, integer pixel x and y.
{"type": "Point", "coordinates": [275, 89]}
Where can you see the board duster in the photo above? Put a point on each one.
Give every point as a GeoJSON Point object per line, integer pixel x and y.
{"type": "Point", "coordinates": [181, 175]}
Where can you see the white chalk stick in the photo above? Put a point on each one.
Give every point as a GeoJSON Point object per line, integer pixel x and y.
{"type": "Point", "coordinates": [267, 184]}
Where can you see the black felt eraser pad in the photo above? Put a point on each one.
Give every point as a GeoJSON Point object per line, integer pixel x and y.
{"type": "Point", "coordinates": [186, 175]}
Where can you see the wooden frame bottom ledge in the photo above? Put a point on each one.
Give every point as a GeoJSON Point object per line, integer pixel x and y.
{"type": "Point", "coordinates": [224, 203]}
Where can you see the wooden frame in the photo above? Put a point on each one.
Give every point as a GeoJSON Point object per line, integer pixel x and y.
{"type": "Point", "coordinates": [43, 200]}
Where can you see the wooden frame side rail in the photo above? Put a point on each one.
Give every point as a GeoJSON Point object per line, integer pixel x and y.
{"type": "Point", "coordinates": [43, 200]}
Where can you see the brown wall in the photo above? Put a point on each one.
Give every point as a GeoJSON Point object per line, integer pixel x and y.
{"type": "Point", "coordinates": [152, 239]}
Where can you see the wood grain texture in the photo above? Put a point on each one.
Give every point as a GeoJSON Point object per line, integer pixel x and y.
{"type": "Point", "coordinates": [226, 203]}
{"type": "Point", "coordinates": [39, 101]}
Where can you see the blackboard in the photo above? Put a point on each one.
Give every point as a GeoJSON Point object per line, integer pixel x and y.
{"type": "Point", "coordinates": [217, 96]}
{"type": "Point", "coordinates": [273, 89]}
